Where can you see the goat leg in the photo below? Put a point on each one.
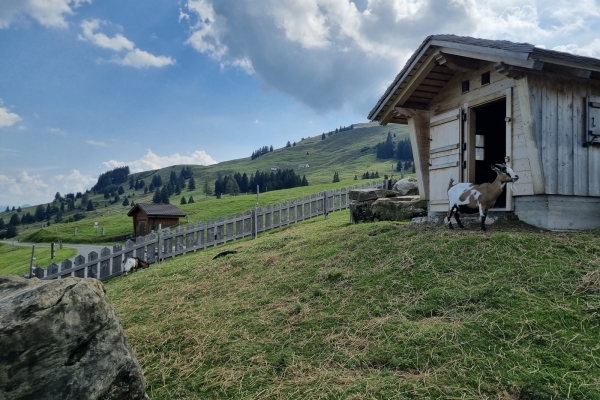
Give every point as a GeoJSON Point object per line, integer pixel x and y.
{"type": "Point", "coordinates": [483, 222]}
{"type": "Point", "coordinates": [458, 219]}
{"type": "Point", "coordinates": [449, 216]}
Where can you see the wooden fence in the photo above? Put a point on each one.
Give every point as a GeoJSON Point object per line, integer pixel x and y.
{"type": "Point", "coordinates": [167, 243]}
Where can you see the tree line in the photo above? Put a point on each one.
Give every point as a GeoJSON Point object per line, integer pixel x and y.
{"type": "Point", "coordinates": [263, 150]}
{"type": "Point", "coordinates": [177, 184]}
{"type": "Point", "coordinates": [337, 130]}
{"type": "Point", "coordinates": [115, 177]}
{"type": "Point", "coordinates": [237, 183]}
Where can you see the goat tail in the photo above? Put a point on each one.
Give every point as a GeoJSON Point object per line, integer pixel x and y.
{"type": "Point", "coordinates": [451, 183]}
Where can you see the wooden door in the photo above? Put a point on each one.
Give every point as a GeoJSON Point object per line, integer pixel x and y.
{"type": "Point", "coordinates": [444, 157]}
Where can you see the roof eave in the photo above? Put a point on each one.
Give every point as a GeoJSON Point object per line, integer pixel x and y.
{"type": "Point", "coordinates": [492, 54]}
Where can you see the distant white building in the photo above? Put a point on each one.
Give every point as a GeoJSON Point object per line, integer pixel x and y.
{"type": "Point", "coordinates": [274, 169]}
{"type": "Point", "coordinates": [302, 166]}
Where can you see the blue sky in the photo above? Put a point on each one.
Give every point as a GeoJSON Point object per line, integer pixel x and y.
{"type": "Point", "coordinates": [87, 85]}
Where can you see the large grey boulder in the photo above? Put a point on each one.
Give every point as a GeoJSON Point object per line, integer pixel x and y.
{"type": "Point", "coordinates": [398, 208]}
{"type": "Point", "coordinates": [61, 339]}
{"type": "Point", "coordinates": [407, 187]}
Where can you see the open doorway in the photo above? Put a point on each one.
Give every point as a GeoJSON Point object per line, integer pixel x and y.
{"type": "Point", "coordinates": [490, 143]}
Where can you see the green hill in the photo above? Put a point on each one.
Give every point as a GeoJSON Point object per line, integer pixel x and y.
{"type": "Point", "coordinates": [349, 153]}
{"type": "Point", "coordinates": [325, 309]}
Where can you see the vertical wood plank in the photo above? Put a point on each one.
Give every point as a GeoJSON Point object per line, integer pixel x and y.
{"type": "Point", "coordinates": [594, 152]}
{"type": "Point", "coordinates": [580, 153]}
{"type": "Point", "coordinates": [550, 137]}
{"type": "Point", "coordinates": [239, 223]}
{"type": "Point", "coordinates": [117, 260]}
{"type": "Point", "coordinates": [229, 228]}
{"type": "Point", "coordinates": [220, 230]}
{"type": "Point", "coordinates": [565, 134]}
{"type": "Point", "coordinates": [529, 92]}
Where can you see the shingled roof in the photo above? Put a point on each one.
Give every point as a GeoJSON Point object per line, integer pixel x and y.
{"type": "Point", "coordinates": [158, 210]}
{"type": "Point", "coordinates": [522, 51]}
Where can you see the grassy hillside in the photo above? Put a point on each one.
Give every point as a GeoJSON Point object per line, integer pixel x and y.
{"type": "Point", "coordinates": [349, 153]}
{"type": "Point", "coordinates": [324, 309]}
{"type": "Point", "coordinates": [16, 260]}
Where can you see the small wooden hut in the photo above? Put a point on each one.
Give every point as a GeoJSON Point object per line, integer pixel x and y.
{"type": "Point", "coordinates": [471, 102]}
{"type": "Point", "coordinates": [147, 217]}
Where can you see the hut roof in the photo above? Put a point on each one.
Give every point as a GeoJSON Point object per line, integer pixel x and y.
{"type": "Point", "coordinates": [523, 56]}
{"type": "Point", "coordinates": [157, 210]}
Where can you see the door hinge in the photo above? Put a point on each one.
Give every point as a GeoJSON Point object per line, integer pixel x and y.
{"type": "Point", "coordinates": [464, 147]}
{"type": "Point", "coordinates": [464, 116]}
{"type": "Point", "coordinates": [464, 165]}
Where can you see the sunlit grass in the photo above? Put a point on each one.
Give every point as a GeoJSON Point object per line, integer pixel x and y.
{"type": "Point", "coordinates": [324, 309]}
{"type": "Point", "coordinates": [15, 260]}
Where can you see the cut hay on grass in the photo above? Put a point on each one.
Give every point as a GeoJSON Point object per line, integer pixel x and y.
{"type": "Point", "coordinates": [323, 310]}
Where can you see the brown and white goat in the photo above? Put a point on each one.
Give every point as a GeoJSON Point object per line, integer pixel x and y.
{"type": "Point", "coordinates": [470, 198]}
{"type": "Point", "coordinates": [131, 264]}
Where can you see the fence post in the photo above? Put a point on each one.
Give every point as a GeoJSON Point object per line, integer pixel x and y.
{"type": "Point", "coordinates": [159, 243]}
{"type": "Point", "coordinates": [31, 261]}
{"type": "Point", "coordinates": [52, 251]}
{"type": "Point", "coordinates": [255, 225]}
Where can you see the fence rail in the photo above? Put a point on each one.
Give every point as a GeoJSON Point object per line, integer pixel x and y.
{"type": "Point", "coordinates": [167, 243]}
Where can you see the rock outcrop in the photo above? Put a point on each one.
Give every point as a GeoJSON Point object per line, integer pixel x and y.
{"type": "Point", "coordinates": [61, 339]}
{"type": "Point", "coordinates": [406, 187]}
{"type": "Point", "coordinates": [368, 205]}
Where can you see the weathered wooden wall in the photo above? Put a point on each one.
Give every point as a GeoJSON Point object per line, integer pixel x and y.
{"type": "Point", "coordinates": [559, 111]}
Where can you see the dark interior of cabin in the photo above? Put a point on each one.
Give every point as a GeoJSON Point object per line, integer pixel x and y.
{"type": "Point", "coordinates": [490, 143]}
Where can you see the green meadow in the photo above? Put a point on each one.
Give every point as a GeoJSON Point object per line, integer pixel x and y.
{"type": "Point", "coordinates": [349, 153]}
{"type": "Point", "coordinates": [15, 260]}
{"type": "Point", "coordinates": [325, 309]}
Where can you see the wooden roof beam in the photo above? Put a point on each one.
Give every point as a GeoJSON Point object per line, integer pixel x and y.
{"type": "Point", "coordinates": [412, 84]}
{"type": "Point", "coordinates": [510, 71]}
{"type": "Point", "coordinates": [457, 63]}
{"type": "Point", "coordinates": [516, 72]}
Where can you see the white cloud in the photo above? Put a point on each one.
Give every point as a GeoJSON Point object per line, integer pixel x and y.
{"type": "Point", "coordinates": [7, 118]}
{"type": "Point", "coordinates": [142, 59]}
{"type": "Point", "coordinates": [96, 143]}
{"type": "Point", "coordinates": [153, 161]}
{"type": "Point", "coordinates": [329, 54]}
{"type": "Point", "coordinates": [31, 188]}
{"type": "Point", "coordinates": [49, 13]}
{"type": "Point", "coordinates": [133, 56]}
{"type": "Point", "coordinates": [74, 182]}
{"type": "Point", "coordinates": [115, 43]}
{"type": "Point", "coordinates": [590, 50]}
{"type": "Point", "coordinates": [57, 131]}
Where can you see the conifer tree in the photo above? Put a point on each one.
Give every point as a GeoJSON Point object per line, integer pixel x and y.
{"type": "Point", "coordinates": [164, 196]}
{"type": "Point", "coordinates": [125, 202]}
{"type": "Point", "coordinates": [192, 184]}
{"type": "Point", "coordinates": [288, 144]}
{"type": "Point", "coordinates": [2, 225]}
{"type": "Point", "coordinates": [232, 187]}
{"type": "Point", "coordinates": [183, 201]}
{"type": "Point", "coordinates": [14, 219]}
{"type": "Point", "coordinates": [156, 197]}
{"type": "Point", "coordinates": [323, 136]}
{"type": "Point", "coordinates": [121, 190]}
{"type": "Point", "coordinates": [90, 206]}
{"type": "Point", "coordinates": [336, 177]}
{"type": "Point", "coordinates": [190, 200]}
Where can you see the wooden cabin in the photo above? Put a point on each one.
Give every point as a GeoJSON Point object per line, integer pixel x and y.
{"type": "Point", "coordinates": [470, 103]}
{"type": "Point", "coordinates": [147, 217]}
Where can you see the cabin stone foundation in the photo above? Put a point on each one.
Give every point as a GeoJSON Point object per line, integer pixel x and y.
{"type": "Point", "coordinates": [559, 213]}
